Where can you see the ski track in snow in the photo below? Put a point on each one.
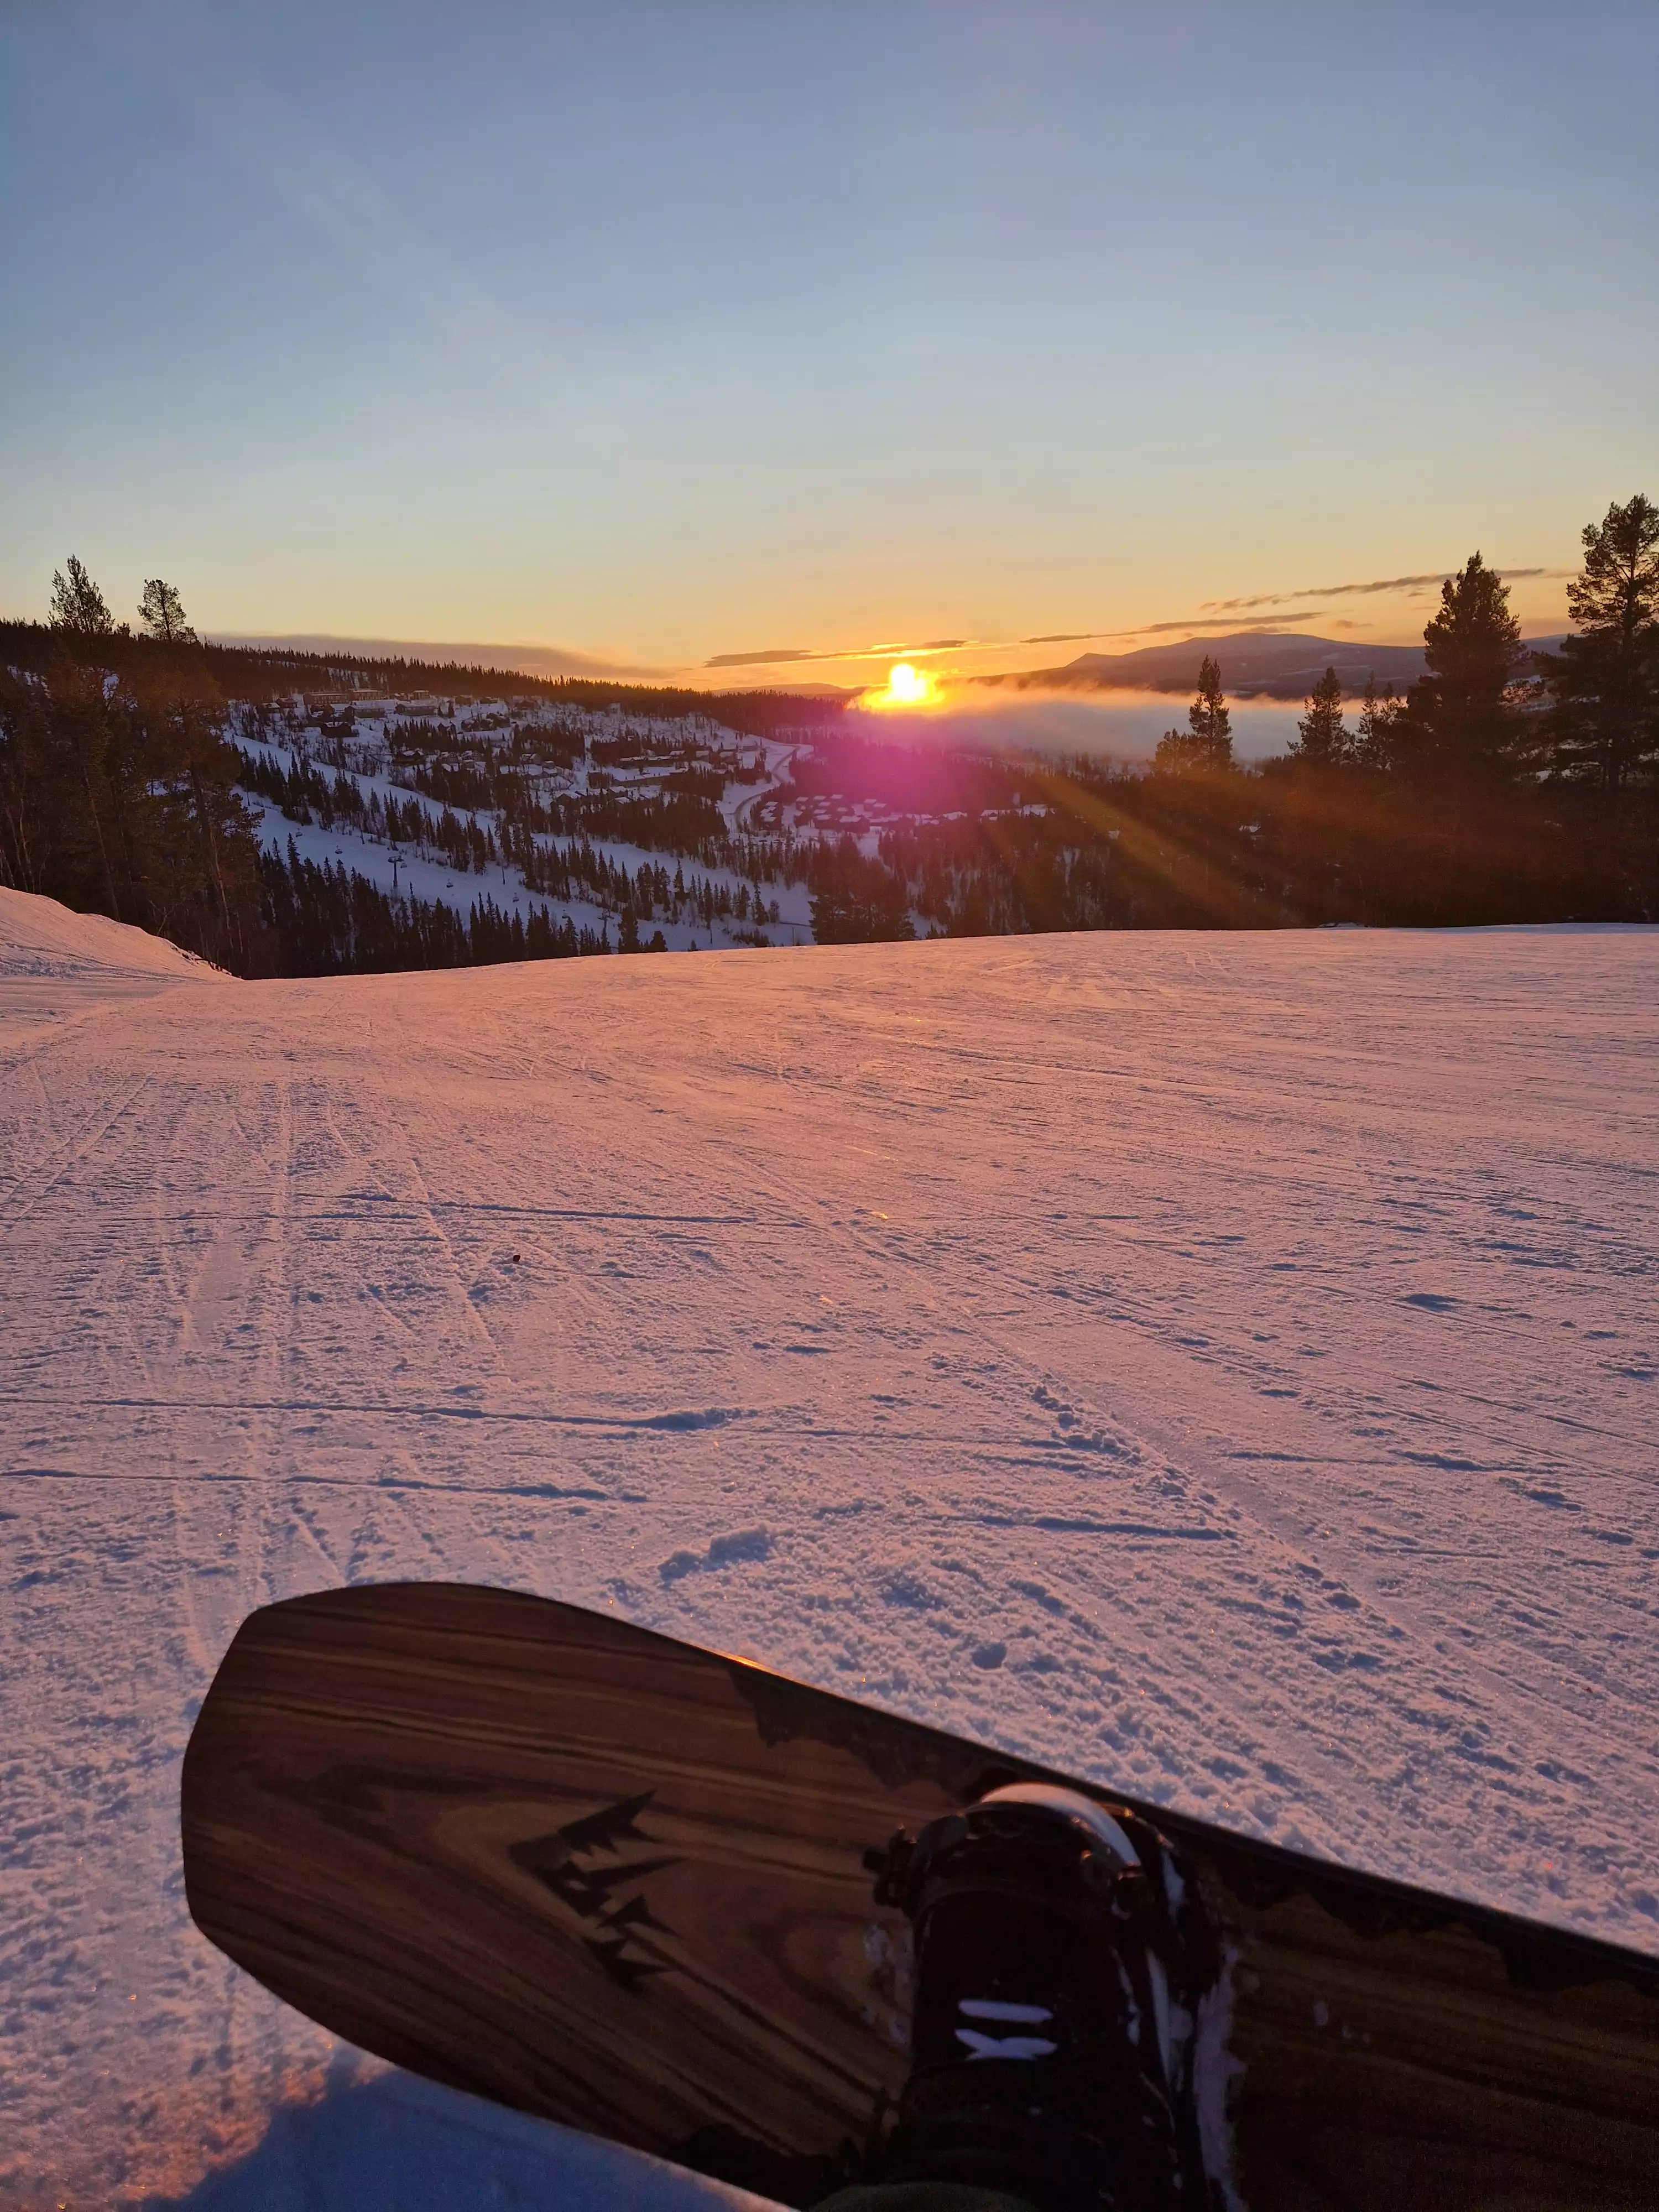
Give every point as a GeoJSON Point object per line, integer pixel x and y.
{"type": "Point", "coordinates": [1225, 1366]}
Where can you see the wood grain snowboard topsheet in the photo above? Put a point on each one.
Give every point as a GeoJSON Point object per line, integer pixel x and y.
{"type": "Point", "coordinates": [596, 1874]}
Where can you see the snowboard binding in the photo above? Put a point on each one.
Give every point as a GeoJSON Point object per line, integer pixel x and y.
{"type": "Point", "coordinates": [1061, 1955]}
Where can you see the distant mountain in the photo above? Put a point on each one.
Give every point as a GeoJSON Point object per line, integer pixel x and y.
{"type": "Point", "coordinates": [1253, 663]}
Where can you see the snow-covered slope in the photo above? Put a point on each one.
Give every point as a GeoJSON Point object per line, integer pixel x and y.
{"type": "Point", "coordinates": [39, 940]}
{"type": "Point", "coordinates": [1224, 1365]}
{"type": "Point", "coordinates": [56, 965]}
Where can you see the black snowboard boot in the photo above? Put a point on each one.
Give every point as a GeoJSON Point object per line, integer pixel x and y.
{"type": "Point", "coordinates": [1059, 1960]}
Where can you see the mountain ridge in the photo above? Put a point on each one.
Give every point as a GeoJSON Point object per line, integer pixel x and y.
{"type": "Point", "coordinates": [1255, 664]}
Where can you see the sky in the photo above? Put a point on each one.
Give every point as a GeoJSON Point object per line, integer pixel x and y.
{"type": "Point", "coordinates": [671, 338]}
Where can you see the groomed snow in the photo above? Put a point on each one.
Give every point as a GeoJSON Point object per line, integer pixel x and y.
{"type": "Point", "coordinates": [1222, 1365]}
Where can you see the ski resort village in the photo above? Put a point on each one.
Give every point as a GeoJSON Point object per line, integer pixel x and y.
{"type": "Point", "coordinates": [568, 829]}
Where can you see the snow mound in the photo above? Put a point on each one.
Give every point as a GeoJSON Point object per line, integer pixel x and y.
{"type": "Point", "coordinates": [40, 938]}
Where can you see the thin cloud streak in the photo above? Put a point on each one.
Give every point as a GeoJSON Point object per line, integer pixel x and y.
{"type": "Point", "coordinates": [1358, 591]}
{"type": "Point", "coordinates": [765, 652]}
{"type": "Point", "coordinates": [794, 652]}
{"type": "Point", "coordinates": [1194, 623]}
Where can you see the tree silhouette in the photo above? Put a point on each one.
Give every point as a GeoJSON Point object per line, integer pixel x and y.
{"type": "Point", "coordinates": [1373, 741]}
{"type": "Point", "coordinates": [1604, 683]}
{"type": "Point", "coordinates": [1463, 723]}
{"type": "Point", "coordinates": [161, 613]}
{"type": "Point", "coordinates": [117, 782]}
{"type": "Point", "coordinates": [78, 605]}
{"type": "Point", "coordinates": [1322, 738]}
{"type": "Point", "coordinates": [1207, 743]}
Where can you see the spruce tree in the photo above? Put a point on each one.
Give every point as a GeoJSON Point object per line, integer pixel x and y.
{"type": "Point", "coordinates": [1322, 738]}
{"type": "Point", "coordinates": [1463, 723]}
{"type": "Point", "coordinates": [1207, 743]}
{"type": "Point", "coordinates": [1604, 683]}
{"type": "Point", "coordinates": [1208, 716]}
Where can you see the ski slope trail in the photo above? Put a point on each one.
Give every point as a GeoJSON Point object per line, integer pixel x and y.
{"type": "Point", "coordinates": [1225, 1366]}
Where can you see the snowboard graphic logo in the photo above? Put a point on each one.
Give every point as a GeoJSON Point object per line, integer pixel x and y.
{"type": "Point", "coordinates": [582, 1863]}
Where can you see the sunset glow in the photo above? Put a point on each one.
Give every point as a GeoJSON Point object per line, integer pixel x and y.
{"type": "Point", "coordinates": [907, 686]}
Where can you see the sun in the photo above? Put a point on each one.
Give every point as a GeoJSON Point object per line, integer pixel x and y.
{"type": "Point", "coordinates": [907, 686]}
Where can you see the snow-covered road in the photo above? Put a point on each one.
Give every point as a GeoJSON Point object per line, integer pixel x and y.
{"type": "Point", "coordinates": [1224, 1365]}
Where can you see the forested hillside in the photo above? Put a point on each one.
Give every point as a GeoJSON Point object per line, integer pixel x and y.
{"type": "Point", "coordinates": [289, 813]}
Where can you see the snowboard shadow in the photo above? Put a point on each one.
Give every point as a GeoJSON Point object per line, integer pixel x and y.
{"type": "Point", "coordinates": [398, 2144]}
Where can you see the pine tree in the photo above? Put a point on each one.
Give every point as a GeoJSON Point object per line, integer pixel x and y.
{"type": "Point", "coordinates": [161, 613]}
{"type": "Point", "coordinates": [1604, 683]}
{"type": "Point", "coordinates": [1322, 738]}
{"type": "Point", "coordinates": [78, 607]}
{"type": "Point", "coordinates": [1210, 722]}
{"type": "Point", "coordinates": [1462, 722]}
{"type": "Point", "coordinates": [116, 784]}
{"type": "Point", "coordinates": [1207, 743]}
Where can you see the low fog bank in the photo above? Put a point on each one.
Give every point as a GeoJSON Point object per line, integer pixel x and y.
{"type": "Point", "coordinates": [1124, 725]}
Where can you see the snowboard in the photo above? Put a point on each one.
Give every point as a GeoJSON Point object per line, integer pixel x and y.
{"type": "Point", "coordinates": [542, 1855]}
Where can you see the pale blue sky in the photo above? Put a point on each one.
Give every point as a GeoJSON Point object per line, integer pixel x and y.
{"type": "Point", "coordinates": [660, 332]}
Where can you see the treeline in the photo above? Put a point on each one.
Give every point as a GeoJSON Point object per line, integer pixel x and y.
{"type": "Point", "coordinates": [306, 795]}
{"type": "Point", "coordinates": [753, 714]}
{"type": "Point", "coordinates": [1119, 851]}
{"type": "Point", "coordinates": [119, 795]}
{"type": "Point", "coordinates": [578, 871]}
{"type": "Point", "coordinates": [331, 922]}
{"type": "Point", "coordinates": [263, 674]}
{"type": "Point", "coordinates": [116, 784]}
{"type": "Point", "coordinates": [1486, 717]}
{"type": "Point", "coordinates": [1503, 786]}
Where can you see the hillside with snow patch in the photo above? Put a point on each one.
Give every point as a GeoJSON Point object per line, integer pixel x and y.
{"type": "Point", "coordinates": [573, 816]}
